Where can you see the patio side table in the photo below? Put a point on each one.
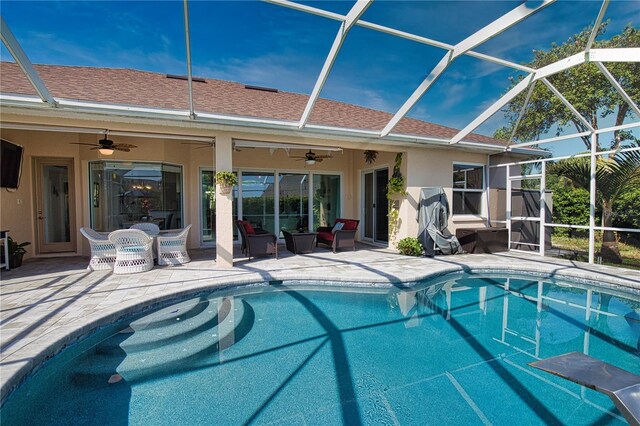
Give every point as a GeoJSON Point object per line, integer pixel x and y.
{"type": "Point", "coordinates": [299, 242]}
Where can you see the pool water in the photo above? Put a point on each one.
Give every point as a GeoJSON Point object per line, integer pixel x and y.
{"type": "Point", "coordinates": [455, 352]}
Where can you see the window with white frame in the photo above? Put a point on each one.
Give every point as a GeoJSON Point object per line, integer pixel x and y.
{"type": "Point", "coordinates": [468, 185]}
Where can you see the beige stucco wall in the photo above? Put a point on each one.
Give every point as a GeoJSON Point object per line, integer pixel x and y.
{"type": "Point", "coordinates": [434, 167]}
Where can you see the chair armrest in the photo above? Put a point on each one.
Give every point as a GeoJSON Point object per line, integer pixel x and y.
{"type": "Point", "coordinates": [324, 229]}
{"type": "Point", "coordinates": [345, 235]}
{"type": "Point", "coordinates": [259, 237]}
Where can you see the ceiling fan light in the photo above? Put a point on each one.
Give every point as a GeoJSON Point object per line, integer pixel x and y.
{"type": "Point", "coordinates": [105, 151]}
{"type": "Point", "coordinates": [310, 161]}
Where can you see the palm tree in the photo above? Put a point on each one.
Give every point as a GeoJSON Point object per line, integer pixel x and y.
{"type": "Point", "coordinates": [614, 175]}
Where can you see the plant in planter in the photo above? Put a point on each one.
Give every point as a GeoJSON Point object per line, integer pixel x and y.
{"type": "Point", "coordinates": [16, 252]}
{"type": "Point", "coordinates": [410, 246]}
{"type": "Point", "coordinates": [226, 181]}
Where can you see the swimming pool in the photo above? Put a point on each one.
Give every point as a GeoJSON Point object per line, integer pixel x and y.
{"type": "Point", "coordinates": [451, 351]}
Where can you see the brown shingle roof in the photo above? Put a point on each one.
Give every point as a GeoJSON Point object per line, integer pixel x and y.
{"type": "Point", "coordinates": [149, 89]}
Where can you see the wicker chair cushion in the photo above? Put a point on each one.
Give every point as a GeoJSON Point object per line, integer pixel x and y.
{"type": "Point", "coordinates": [349, 224]}
{"type": "Point", "coordinates": [248, 227]}
{"type": "Point", "coordinates": [324, 235]}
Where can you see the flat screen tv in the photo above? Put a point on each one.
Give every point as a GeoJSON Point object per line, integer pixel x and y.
{"type": "Point", "coordinates": [10, 164]}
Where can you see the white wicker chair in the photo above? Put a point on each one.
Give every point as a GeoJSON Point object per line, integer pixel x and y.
{"type": "Point", "coordinates": [172, 247]}
{"type": "Point", "coordinates": [103, 252]}
{"type": "Point", "coordinates": [134, 251]}
{"type": "Point", "coordinates": [148, 227]}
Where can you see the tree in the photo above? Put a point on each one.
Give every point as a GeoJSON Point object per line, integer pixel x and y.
{"type": "Point", "coordinates": [584, 86]}
{"type": "Point", "coordinates": [615, 176]}
{"type": "Point", "coordinates": [587, 89]}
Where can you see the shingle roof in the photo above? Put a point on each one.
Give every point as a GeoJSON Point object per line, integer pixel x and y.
{"type": "Point", "coordinates": [148, 89]}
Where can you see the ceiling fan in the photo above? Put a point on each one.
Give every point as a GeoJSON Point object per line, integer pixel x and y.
{"type": "Point", "coordinates": [311, 157]}
{"type": "Point", "coordinates": [106, 146]}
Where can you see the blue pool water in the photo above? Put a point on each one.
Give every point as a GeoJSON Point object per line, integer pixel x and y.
{"type": "Point", "coordinates": [451, 353]}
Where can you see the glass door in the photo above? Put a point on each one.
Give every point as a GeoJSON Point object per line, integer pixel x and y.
{"type": "Point", "coordinates": [326, 200]}
{"type": "Point", "coordinates": [293, 201]}
{"type": "Point", "coordinates": [55, 205]}
{"type": "Point", "coordinates": [375, 207]}
{"type": "Point", "coordinates": [207, 207]}
{"type": "Point", "coordinates": [258, 199]}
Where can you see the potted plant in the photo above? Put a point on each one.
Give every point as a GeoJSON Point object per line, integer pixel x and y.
{"type": "Point", "coordinates": [16, 251]}
{"type": "Point", "coordinates": [226, 181]}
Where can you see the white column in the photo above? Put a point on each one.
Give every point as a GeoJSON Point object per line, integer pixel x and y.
{"type": "Point", "coordinates": [508, 205]}
{"type": "Point", "coordinates": [224, 204]}
{"type": "Point", "coordinates": [543, 207]}
{"type": "Point", "coordinates": [592, 199]}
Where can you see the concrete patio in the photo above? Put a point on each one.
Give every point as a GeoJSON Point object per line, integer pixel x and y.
{"type": "Point", "coordinates": [49, 303]}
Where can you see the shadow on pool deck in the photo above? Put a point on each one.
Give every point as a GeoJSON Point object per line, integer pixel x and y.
{"type": "Point", "coordinates": [49, 302]}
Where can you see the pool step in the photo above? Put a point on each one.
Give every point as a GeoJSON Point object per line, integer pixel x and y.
{"type": "Point", "coordinates": [205, 314]}
{"type": "Point", "coordinates": [167, 316]}
{"type": "Point", "coordinates": [135, 357]}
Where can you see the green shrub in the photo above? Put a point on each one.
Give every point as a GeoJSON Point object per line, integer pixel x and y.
{"type": "Point", "coordinates": [410, 246]}
{"type": "Point", "coordinates": [570, 207]}
{"type": "Point", "coordinates": [626, 209]}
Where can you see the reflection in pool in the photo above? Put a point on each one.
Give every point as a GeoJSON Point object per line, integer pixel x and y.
{"type": "Point", "coordinates": [452, 352]}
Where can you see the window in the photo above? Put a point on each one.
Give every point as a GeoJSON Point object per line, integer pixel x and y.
{"type": "Point", "coordinates": [125, 193]}
{"type": "Point", "coordinates": [468, 185]}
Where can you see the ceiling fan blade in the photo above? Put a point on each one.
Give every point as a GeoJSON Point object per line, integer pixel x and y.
{"type": "Point", "coordinates": [120, 148]}
{"type": "Point", "coordinates": [80, 143]}
{"type": "Point", "coordinates": [123, 145]}
{"type": "Point", "coordinates": [319, 160]}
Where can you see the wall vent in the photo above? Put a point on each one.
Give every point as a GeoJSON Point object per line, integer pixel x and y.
{"type": "Point", "coordinates": [263, 89]}
{"type": "Point", "coordinates": [184, 77]}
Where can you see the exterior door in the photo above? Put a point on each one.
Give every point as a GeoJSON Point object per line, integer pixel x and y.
{"type": "Point", "coordinates": [375, 206]}
{"type": "Point", "coordinates": [55, 205]}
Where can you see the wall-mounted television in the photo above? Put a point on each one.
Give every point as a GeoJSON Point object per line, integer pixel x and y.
{"type": "Point", "coordinates": [10, 164]}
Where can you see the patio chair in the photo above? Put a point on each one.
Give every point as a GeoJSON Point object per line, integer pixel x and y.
{"type": "Point", "coordinates": [149, 227]}
{"type": "Point", "coordinates": [172, 247]}
{"type": "Point", "coordinates": [103, 252]}
{"type": "Point", "coordinates": [134, 251]}
{"type": "Point", "coordinates": [256, 244]}
{"type": "Point", "coordinates": [339, 236]}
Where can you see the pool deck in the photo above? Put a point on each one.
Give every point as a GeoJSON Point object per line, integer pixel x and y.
{"type": "Point", "coordinates": [49, 303]}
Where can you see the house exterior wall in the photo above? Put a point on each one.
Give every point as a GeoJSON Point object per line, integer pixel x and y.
{"type": "Point", "coordinates": [434, 167]}
{"type": "Point", "coordinates": [421, 166]}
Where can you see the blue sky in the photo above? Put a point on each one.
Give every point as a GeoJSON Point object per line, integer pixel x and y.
{"type": "Point", "coordinates": [263, 44]}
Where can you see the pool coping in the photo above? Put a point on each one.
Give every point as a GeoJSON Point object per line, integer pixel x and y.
{"type": "Point", "coordinates": [600, 276]}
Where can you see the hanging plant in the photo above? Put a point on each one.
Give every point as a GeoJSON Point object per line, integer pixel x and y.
{"type": "Point", "coordinates": [396, 185]}
{"type": "Point", "coordinates": [395, 189]}
{"type": "Point", "coordinates": [370, 156]}
{"type": "Point", "coordinates": [226, 181]}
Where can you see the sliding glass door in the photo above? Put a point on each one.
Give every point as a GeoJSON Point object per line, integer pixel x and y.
{"type": "Point", "coordinates": [208, 208]}
{"type": "Point", "coordinates": [293, 201]}
{"type": "Point", "coordinates": [258, 199]}
{"type": "Point", "coordinates": [273, 201]}
{"type": "Point", "coordinates": [326, 200]}
{"type": "Point", "coordinates": [375, 208]}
